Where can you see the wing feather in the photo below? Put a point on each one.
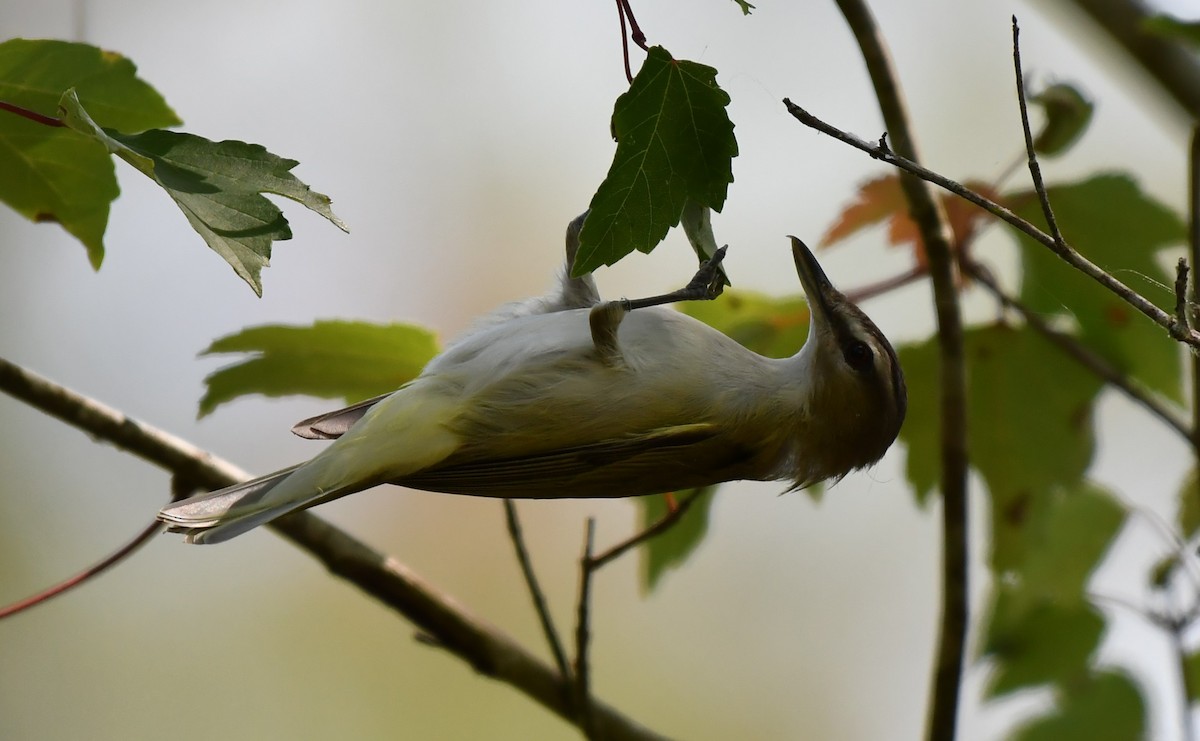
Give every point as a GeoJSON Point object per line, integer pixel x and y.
{"type": "Point", "coordinates": [548, 474]}
{"type": "Point", "coordinates": [332, 425]}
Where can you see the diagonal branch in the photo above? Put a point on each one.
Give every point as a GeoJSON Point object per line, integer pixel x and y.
{"type": "Point", "coordinates": [1067, 253]}
{"type": "Point", "coordinates": [535, 590]}
{"type": "Point", "coordinates": [490, 651]}
{"type": "Point", "coordinates": [930, 217]}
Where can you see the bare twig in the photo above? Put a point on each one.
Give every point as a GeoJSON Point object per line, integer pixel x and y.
{"type": "Point", "coordinates": [1035, 170]}
{"type": "Point", "coordinates": [1186, 689]}
{"type": "Point", "coordinates": [887, 285]}
{"type": "Point", "coordinates": [87, 574]}
{"type": "Point", "coordinates": [664, 523]}
{"type": "Point", "coordinates": [583, 679]}
{"type": "Point", "coordinates": [1064, 251]}
{"type": "Point", "coordinates": [179, 490]}
{"type": "Point", "coordinates": [1194, 250]}
{"type": "Point", "coordinates": [931, 220]}
{"type": "Point", "coordinates": [490, 651]}
{"type": "Point", "coordinates": [535, 590]}
{"type": "Point", "coordinates": [1082, 354]}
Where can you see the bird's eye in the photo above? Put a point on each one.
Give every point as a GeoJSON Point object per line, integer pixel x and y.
{"type": "Point", "coordinates": [859, 356]}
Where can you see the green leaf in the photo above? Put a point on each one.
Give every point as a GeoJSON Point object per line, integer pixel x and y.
{"type": "Point", "coordinates": [1068, 114]}
{"type": "Point", "coordinates": [674, 142]}
{"type": "Point", "coordinates": [1114, 224]}
{"type": "Point", "coordinates": [1027, 402]}
{"type": "Point", "coordinates": [1107, 705]}
{"type": "Point", "coordinates": [1041, 628]}
{"type": "Point", "coordinates": [330, 359]}
{"type": "Point", "coordinates": [217, 185]}
{"type": "Point", "coordinates": [670, 549]}
{"type": "Point", "coordinates": [52, 174]}
{"type": "Point", "coordinates": [745, 6]}
{"type": "Point", "coordinates": [1045, 644]}
{"type": "Point", "coordinates": [1068, 534]}
{"type": "Point", "coordinates": [35, 74]}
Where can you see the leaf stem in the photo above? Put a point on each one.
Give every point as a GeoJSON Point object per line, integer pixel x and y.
{"type": "Point", "coordinates": [85, 575]}
{"type": "Point", "coordinates": [31, 115]}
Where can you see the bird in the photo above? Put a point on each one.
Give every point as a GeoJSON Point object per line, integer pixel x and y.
{"type": "Point", "coordinates": [570, 396]}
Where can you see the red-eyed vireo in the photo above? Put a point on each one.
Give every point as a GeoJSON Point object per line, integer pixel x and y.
{"type": "Point", "coordinates": [568, 396]}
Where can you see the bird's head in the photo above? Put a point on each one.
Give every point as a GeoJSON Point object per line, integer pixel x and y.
{"type": "Point", "coordinates": [855, 388]}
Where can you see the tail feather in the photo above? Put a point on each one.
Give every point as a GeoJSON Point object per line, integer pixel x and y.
{"type": "Point", "coordinates": [220, 515]}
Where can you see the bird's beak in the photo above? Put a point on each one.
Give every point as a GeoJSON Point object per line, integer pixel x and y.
{"type": "Point", "coordinates": [820, 292]}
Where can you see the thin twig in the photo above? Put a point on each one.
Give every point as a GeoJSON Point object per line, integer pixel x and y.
{"type": "Point", "coordinates": [583, 691]}
{"type": "Point", "coordinates": [1194, 250]}
{"type": "Point", "coordinates": [1187, 691]}
{"type": "Point", "coordinates": [535, 590]}
{"type": "Point", "coordinates": [85, 575]}
{"type": "Point", "coordinates": [490, 651]}
{"type": "Point", "coordinates": [664, 523]}
{"type": "Point", "coordinates": [1082, 354]}
{"type": "Point", "coordinates": [179, 490]}
{"type": "Point", "coordinates": [928, 213]}
{"type": "Point", "coordinates": [887, 285]}
{"type": "Point", "coordinates": [32, 115]}
{"type": "Point", "coordinates": [1035, 170]}
{"type": "Point", "coordinates": [1065, 251]}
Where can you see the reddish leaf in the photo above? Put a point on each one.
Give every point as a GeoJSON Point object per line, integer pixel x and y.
{"type": "Point", "coordinates": [882, 199]}
{"type": "Point", "coordinates": [878, 199]}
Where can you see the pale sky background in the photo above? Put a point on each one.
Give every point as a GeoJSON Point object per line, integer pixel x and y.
{"type": "Point", "coordinates": [457, 140]}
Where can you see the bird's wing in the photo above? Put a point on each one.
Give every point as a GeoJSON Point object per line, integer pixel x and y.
{"type": "Point", "coordinates": [332, 425]}
{"type": "Point", "coordinates": [584, 470]}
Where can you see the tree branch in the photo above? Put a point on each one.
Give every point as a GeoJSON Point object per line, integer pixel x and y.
{"type": "Point", "coordinates": [930, 217]}
{"type": "Point", "coordinates": [489, 650]}
{"type": "Point", "coordinates": [1064, 251]}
